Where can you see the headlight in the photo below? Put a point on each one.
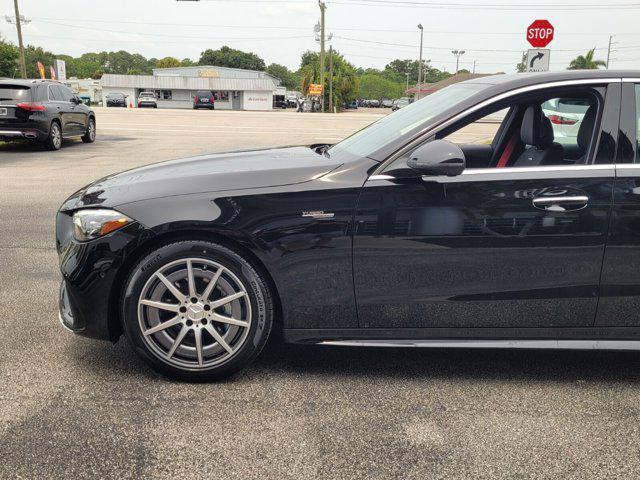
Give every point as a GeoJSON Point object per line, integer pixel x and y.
{"type": "Point", "coordinates": [90, 224]}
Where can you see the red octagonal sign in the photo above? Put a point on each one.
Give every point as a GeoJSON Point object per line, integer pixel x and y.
{"type": "Point", "coordinates": [540, 33]}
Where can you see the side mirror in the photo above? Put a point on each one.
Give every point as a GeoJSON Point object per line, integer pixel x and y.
{"type": "Point", "coordinates": [438, 157]}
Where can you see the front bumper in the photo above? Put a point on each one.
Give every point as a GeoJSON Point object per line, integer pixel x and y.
{"type": "Point", "coordinates": [92, 277]}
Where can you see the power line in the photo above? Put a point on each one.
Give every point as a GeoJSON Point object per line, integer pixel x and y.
{"type": "Point", "coordinates": [490, 6]}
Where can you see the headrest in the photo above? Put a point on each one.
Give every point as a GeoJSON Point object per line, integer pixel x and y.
{"type": "Point", "coordinates": [586, 128]}
{"type": "Point", "coordinates": [536, 129]}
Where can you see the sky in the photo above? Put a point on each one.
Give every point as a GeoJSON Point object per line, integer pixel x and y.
{"type": "Point", "coordinates": [369, 33]}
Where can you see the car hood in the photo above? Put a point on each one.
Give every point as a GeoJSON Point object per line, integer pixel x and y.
{"type": "Point", "coordinates": [205, 173]}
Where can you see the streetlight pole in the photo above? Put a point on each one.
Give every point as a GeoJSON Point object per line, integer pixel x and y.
{"type": "Point", "coordinates": [23, 64]}
{"type": "Point", "coordinates": [609, 51]}
{"type": "Point", "coordinates": [322, 9]}
{"type": "Point", "coordinates": [458, 54]}
{"type": "Point", "coordinates": [420, 63]}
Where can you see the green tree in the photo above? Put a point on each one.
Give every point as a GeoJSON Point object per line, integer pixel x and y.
{"type": "Point", "coordinates": [345, 81]}
{"type": "Point", "coordinates": [376, 86]}
{"type": "Point", "coordinates": [288, 79]}
{"type": "Point", "coordinates": [522, 66]}
{"type": "Point", "coordinates": [9, 55]}
{"type": "Point", "coordinates": [586, 62]}
{"type": "Point", "coordinates": [187, 62]}
{"type": "Point", "coordinates": [168, 62]}
{"type": "Point", "coordinates": [232, 58]}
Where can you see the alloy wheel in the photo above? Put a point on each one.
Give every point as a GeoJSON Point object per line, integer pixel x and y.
{"type": "Point", "coordinates": [56, 135]}
{"type": "Point", "coordinates": [194, 313]}
{"type": "Point", "coordinates": [92, 130]}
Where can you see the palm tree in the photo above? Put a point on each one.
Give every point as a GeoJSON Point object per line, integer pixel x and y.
{"type": "Point", "coordinates": [586, 62]}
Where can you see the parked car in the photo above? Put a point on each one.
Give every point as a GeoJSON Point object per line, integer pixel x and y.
{"type": "Point", "coordinates": [203, 99]}
{"type": "Point", "coordinates": [374, 103]}
{"type": "Point", "coordinates": [147, 99]}
{"type": "Point", "coordinates": [279, 101]}
{"type": "Point", "coordinates": [386, 103]}
{"type": "Point", "coordinates": [351, 105]}
{"type": "Point", "coordinates": [393, 237]}
{"type": "Point", "coordinates": [566, 115]}
{"type": "Point", "coordinates": [116, 100]}
{"type": "Point", "coordinates": [43, 111]}
{"type": "Point", "coordinates": [400, 103]}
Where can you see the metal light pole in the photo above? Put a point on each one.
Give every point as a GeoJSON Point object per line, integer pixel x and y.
{"type": "Point", "coordinates": [330, 78]}
{"type": "Point", "coordinates": [23, 64]}
{"type": "Point", "coordinates": [322, 9]}
{"type": "Point", "coordinates": [458, 54]}
{"type": "Point", "coordinates": [407, 83]}
{"type": "Point", "coordinates": [420, 63]}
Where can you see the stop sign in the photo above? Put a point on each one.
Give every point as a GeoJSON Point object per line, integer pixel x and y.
{"type": "Point", "coordinates": [540, 33]}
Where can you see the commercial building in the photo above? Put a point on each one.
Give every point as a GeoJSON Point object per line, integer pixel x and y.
{"type": "Point", "coordinates": [233, 88]}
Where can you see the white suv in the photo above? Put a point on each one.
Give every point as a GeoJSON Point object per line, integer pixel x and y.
{"type": "Point", "coordinates": [147, 99]}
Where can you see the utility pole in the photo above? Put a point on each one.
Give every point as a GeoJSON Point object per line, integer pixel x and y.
{"type": "Point", "coordinates": [331, 78]}
{"type": "Point", "coordinates": [609, 51]}
{"type": "Point", "coordinates": [23, 65]}
{"type": "Point", "coordinates": [458, 54]}
{"type": "Point", "coordinates": [405, 92]}
{"type": "Point", "coordinates": [474, 66]}
{"type": "Point", "coordinates": [419, 63]}
{"type": "Point", "coordinates": [322, 9]}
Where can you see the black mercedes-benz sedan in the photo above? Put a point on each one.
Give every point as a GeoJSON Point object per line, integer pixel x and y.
{"type": "Point", "coordinates": [400, 235]}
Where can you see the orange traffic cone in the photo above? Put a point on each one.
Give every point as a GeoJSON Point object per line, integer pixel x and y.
{"type": "Point", "coordinates": [130, 103]}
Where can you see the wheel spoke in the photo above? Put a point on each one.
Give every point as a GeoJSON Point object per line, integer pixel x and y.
{"type": "Point", "coordinates": [198, 334]}
{"type": "Point", "coordinates": [162, 326]}
{"type": "Point", "coordinates": [229, 320]}
{"type": "Point", "coordinates": [172, 288]}
{"type": "Point", "coordinates": [211, 285]}
{"type": "Point", "coordinates": [178, 340]}
{"type": "Point", "coordinates": [190, 279]}
{"type": "Point", "coordinates": [218, 338]}
{"type": "Point", "coordinates": [161, 305]}
{"type": "Point", "coordinates": [230, 298]}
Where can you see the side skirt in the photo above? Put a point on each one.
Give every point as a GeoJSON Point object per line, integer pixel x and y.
{"type": "Point", "coordinates": [588, 338]}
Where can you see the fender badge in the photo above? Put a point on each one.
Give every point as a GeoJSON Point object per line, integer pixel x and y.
{"type": "Point", "coordinates": [318, 214]}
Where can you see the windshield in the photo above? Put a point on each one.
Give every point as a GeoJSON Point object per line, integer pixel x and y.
{"type": "Point", "coordinates": [15, 93]}
{"type": "Point", "coordinates": [115, 95]}
{"type": "Point", "coordinates": [376, 136]}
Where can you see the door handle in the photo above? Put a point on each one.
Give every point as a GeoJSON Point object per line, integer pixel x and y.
{"type": "Point", "coordinates": [561, 204]}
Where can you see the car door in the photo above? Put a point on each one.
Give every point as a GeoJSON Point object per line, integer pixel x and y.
{"type": "Point", "coordinates": [77, 112]}
{"type": "Point", "coordinates": [492, 247]}
{"type": "Point", "coordinates": [63, 108]}
{"type": "Point", "coordinates": [620, 288]}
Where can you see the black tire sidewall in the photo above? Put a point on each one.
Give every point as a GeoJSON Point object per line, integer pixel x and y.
{"type": "Point", "coordinates": [259, 297]}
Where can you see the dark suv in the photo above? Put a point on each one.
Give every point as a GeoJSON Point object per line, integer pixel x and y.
{"type": "Point", "coordinates": [203, 99]}
{"type": "Point", "coordinates": [43, 111]}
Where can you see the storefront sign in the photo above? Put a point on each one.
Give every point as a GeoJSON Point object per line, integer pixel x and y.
{"type": "Point", "coordinates": [315, 89]}
{"type": "Point", "coordinates": [208, 73]}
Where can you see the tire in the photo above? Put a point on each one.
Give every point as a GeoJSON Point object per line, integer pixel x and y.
{"type": "Point", "coordinates": [90, 135]}
{"type": "Point", "coordinates": [54, 139]}
{"type": "Point", "coordinates": [172, 349]}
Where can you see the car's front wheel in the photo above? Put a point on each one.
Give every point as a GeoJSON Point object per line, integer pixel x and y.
{"type": "Point", "coordinates": [197, 310]}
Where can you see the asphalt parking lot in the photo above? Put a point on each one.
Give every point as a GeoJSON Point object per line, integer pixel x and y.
{"type": "Point", "coordinates": [76, 408]}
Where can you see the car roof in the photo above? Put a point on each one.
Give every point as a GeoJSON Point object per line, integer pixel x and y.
{"type": "Point", "coordinates": [23, 82]}
{"type": "Point", "coordinates": [530, 78]}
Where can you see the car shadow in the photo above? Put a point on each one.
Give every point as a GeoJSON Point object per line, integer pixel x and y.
{"type": "Point", "coordinates": [389, 363]}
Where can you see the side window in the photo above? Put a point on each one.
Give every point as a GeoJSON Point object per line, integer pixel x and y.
{"type": "Point", "coordinates": [532, 131]}
{"type": "Point", "coordinates": [67, 94]}
{"type": "Point", "coordinates": [566, 115]}
{"type": "Point", "coordinates": [480, 132]}
{"type": "Point", "coordinates": [55, 94]}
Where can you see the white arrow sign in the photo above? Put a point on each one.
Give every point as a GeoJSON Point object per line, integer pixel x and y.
{"type": "Point", "coordinates": [538, 60]}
